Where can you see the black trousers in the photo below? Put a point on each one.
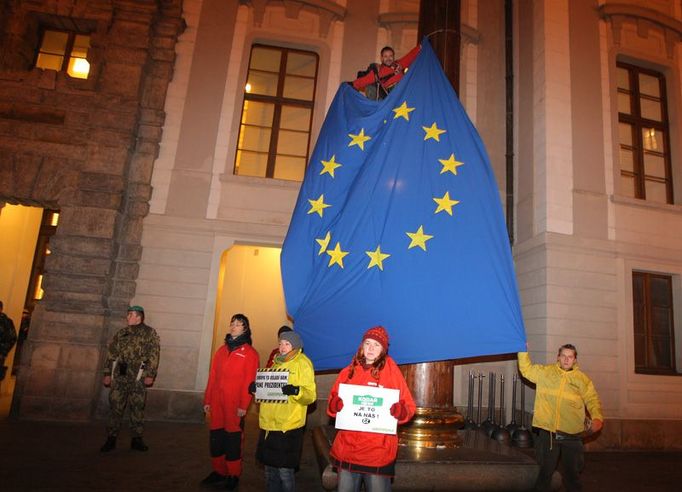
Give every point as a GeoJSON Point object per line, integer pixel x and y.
{"type": "Point", "coordinates": [549, 448]}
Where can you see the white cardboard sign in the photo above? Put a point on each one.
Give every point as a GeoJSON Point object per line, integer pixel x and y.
{"type": "Point", "coordinates": [367, 409]}
{"type": "Point", "coordinates": [269, 384]}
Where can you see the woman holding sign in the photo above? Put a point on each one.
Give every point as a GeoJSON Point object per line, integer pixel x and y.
{"type": "Point", "coordinates": [283, 424]}
{"type": "Point", "coordinates": [361, 456]}
{"type": "Point", "coordinates": [226, 400]}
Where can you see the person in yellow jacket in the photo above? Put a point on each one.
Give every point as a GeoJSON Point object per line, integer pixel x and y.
{"type": "Point", "coordinates": [283, 424]}
{"type": "Point", "coordinates": [563, 392]}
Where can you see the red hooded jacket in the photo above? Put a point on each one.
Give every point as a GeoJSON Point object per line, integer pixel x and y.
{"type": "Point", "coordinates": [368, 449]}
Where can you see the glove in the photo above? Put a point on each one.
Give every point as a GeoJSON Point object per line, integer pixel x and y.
{"type": "Point", "coordinates": [252, 388]}
{"type": "Point", "coordinates": [596, 425]}
{"type": "Point", "coordinates": [290, 389]}
{"type": "Point", "coordinates": [399, 410]}
{"type": "Point", "coordinates": [335, 403]}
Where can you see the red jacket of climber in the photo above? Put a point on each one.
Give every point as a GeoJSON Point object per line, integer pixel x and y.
{"type": "Point", "coordinates": [379, 79]}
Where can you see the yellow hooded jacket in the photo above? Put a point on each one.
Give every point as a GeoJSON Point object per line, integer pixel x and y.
{"type": "Point", "coordinates": [561, 396]}
{"type": "Point", "coordinates": [284, 417]}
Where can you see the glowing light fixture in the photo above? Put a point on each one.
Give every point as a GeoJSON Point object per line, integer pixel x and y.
{"type": "Point", "coordinates": [247, 87]}
{"type": "Point", "coordinates": [39, 292]}
{"type": "Point", "coordinates": [79, 68]}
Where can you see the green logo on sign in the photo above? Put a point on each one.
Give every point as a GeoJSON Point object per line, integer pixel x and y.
{"type": "Point", "coordinates": [367, 400]}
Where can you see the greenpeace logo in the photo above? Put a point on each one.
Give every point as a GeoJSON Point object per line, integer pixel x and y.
{"type": "Point", "coordinates": [367, 401]}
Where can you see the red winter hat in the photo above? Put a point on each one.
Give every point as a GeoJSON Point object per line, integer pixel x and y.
{"type": "Point", "coordinates": [379, 334]}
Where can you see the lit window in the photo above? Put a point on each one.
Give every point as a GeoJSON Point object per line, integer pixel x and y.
{"type": "Point", "coordinates": [652, 299]}
{"type": "Point", "coordinates": [54, 219]}
{"type": "Point", "coordinates": [645, 170]}
{"type": "Point", "coordinates": [279, 97]}
{"type": "Point", "coordinates": [64, 51]}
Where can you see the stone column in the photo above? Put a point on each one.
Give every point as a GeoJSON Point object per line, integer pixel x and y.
{"type": "Point", "coordinates": [439, 20]}
{"type": "Point", "coordinates": [436, 420]}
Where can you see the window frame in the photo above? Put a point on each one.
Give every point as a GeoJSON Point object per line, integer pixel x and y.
{"type": "Point", "coordinates": [278, 101]}
{"type": "Point", "coordinates": [638, 123]}
{"type": "Point", "coordinates": [648, 328]}
{"type": "Point", "coordinates": [68, 49]}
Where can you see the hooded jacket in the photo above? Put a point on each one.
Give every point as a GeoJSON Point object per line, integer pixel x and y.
{"type": "Point", "coordinates": [561, 396]}
{"type": "Point", "coordinates": [292, 414]}
{"type": "Point", "coordinates": [363, 451]}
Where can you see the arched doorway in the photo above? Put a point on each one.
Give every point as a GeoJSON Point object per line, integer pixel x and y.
{"type": "Point", "coordinates": [23, 249]}
{"type": "Point", "coordinates": [250, 283]}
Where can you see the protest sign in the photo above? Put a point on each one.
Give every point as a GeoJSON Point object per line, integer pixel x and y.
{"type": "Point", "coordinates": [269, 384]}
{"type": "Point", "coordinates": [367, 409]}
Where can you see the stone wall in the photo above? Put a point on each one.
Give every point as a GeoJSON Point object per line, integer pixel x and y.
{"type": "Point", "coordinates": [85, 147]}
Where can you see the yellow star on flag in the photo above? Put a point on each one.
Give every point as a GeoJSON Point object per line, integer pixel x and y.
{"type": "Point", "coordinates": [330, 165]}
{"type": "Point", "coordinates": [336, 255]}
{"type": "Point", "coordinates": [402, 111]}
{"type": "Point", "coordinates": [359, 139]}
{"type": "Point", "coordinates": [318, 205]}
{"type": "Point", "coordinates": [450, 164]}
{"type": "Point", "coordinates": [445, 203]}
{"type": "Point", "coordinates": [324, 243]}
{"type": "Point", "coordinates": [418, 238]}
{"type": "Point", "coordinates": [376, 258]}
{"type": "Point", "coordinates": [433, 132]}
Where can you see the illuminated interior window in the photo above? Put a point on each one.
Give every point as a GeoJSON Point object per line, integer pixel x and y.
{"type": "Point", "coordinates": [653, 323]}
{"type": "Point", "coordinates": [64, 51]}
{"type": "Point", "coordinates": [279, 97]}
{"type": "Point", "coordinates": [645, 169]}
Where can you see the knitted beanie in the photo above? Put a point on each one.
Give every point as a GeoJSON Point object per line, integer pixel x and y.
{"type": "Point", "coordinates": [379, 334]}
{"type": "Point", "coordinates": [293, 338]}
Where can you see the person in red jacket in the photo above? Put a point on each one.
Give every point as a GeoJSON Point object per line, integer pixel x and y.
{"type": "Point", "coordinates": [275, 351]}
{"type": "Point", "coordinates": [226, 401]}
{"type": "Point", "coordinates": [367, 456]}
{"type": "Point", "coordinates": [379, 79]}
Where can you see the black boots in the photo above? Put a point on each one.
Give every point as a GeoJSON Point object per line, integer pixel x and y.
{"type": "Point", "coordinates": [231, 482]}
{"type": "Point", "coordinates": [109, 445]}
{"type": "Point", "coordinates": [138, 444]}
{"type": "Point", "coordinates": [214, 479]}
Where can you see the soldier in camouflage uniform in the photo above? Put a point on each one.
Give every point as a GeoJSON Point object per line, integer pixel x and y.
{"type": "Point", "coordinates": [8, 337]}
{"type": "Point", "coordinates": [130, 369]}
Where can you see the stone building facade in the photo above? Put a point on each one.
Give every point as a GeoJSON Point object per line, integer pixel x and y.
{"type": "Point", "coordinates": [85, 147]}
{"type": "Point", "coordinates": [140, 158]}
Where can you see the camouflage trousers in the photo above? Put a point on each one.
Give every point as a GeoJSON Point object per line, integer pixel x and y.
{"type": "Point", "coordinates": [126, 392]}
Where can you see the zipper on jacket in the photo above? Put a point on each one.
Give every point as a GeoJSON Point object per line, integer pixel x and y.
{"type": "Point", "coordinates": [558, 400]}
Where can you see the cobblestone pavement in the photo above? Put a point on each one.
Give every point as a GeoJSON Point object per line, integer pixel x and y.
{"type": "Point", "coordinates": [48, 456]}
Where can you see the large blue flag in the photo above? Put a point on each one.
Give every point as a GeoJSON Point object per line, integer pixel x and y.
{"type": "Point", "coordinates": [399, 223]}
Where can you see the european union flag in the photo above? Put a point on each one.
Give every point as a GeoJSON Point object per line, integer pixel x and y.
{"type": "Point", "coordinates": [399, 223]}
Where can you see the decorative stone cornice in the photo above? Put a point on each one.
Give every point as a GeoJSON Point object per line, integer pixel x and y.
{"type": "Point", "coordinates": [645, 19]}
{"type": "Point", "coordinates": [396, 21]}
{"type": "Point", "coordinates": [470, 35]}
{"type": "Point", "coordinates": [387, 19]}
{"type": "Point", "coordinates": [327, 10]}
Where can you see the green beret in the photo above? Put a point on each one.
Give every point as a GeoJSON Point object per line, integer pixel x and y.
{"type": "Point", "coordinates": [138, 309]}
